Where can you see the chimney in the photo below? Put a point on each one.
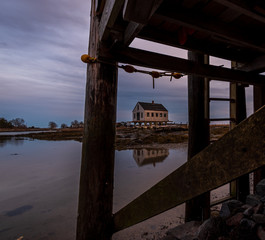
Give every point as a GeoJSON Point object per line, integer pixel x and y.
{"type": "Point", "coordinates": [153, 102]}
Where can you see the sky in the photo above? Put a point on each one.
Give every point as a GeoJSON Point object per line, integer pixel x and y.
{"type": "Point", "coordinates": [42, 78]}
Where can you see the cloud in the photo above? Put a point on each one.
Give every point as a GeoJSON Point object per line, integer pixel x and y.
{"type": "Point", "coordinates": [41, 44]}
{"type": "Point", "coordinates": [43, 79]}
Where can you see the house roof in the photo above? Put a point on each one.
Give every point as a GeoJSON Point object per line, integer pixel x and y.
{"type": "Point", "coordinates": [152, 106]}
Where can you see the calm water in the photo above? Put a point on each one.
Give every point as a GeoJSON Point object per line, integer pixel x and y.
{"type": "Point", "coordinates": [39, 184]}
{"type": "Point", "coordinates": [25, 132]}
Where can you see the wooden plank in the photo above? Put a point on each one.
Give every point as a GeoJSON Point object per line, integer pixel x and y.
{"type": "Point", "coordinates": [259, 101]}
{"type": "Point", "coordinates": [237, 91]}
{"type": "Point", "coordinates": [255, 65]}
{"type": "Point", "coordinates": [238, 152]}
{"type": "Point", "coordinates": [139, 11]}
{"type": "Point", "coordinates": [159, 61]}
{"type": "Point", "coordinates": [196, 45]}
{"type": "Point", "coordinates": [145, 9]}
{"type": "Point", "coordinates": [222, 119]}
{"type": "Point", "coordinates": [197, 209]}
{"type": "Point", "coordinates": [222, 99]}
{"type": "Point", "coordinates": [108, 18]}
{"type": "Point", "coordinates": [131, 32]}
{"type": "Point", "coordinates": [242, 8]}
{"type": "Point", "coordinates": [211, 26]}
{"type": "Point", "coordinates": [242, 182]}
{"type": "Point", "coordinates": [97, 166]}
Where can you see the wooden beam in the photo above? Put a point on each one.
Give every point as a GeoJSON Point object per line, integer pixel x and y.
{"type": "Point", "coordinates": [242, 8]}
{"type": "Point", "coordinates": [159, 61]}
{"type": "Point", "coordinates": [196, 45]}
{"type": "Point", "coordinates": [131, 32]}
{"type": "Point", "coordinates": [197, 209]}
{"type": "Point", "coordinates": [211, 26]}
{"type": "Point", "coordinates": [139, 11]}
{"type": "Point", "coordinates": [259, 101]}
{"type": "Point", "coordinates": [238, 152]}
{"type": "Point", "coordinates": [255, 65]}
{"type": "Point", "coordinates": [147, 9]}
{"type": "Point", "coordinates": [97, 167]}
{"type": "Point", "coordinates": [108, 18]}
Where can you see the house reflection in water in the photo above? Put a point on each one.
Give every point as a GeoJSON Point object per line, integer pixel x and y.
{"type": "Point", "coordinates": [149, 156]}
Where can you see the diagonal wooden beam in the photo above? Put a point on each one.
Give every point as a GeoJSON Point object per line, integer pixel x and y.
{"type": "Point", "coordinates": [159, 61]}
{"type": "Point", "coordinates": [237, 153]}
{"type": "Point", "coordinates": [242, 8]}
{"type": "Point", "coordinates": [211, 26]}
{"type": "Point", "coordinates": [109, 16]}
{"type": "Point", "coordinates": [139, 11]}
{"type": "Point", "coordinates": [145, 9]}
{"type": "Point", "coordinates": [131, 32]}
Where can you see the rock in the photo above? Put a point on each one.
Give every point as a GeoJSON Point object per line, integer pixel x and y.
{"type": "Point", "coordinates": [235, 219]}
{"type": "Point", "coordinates": [259, 208]}
{"type": "Point", "coordinates": [253, 200]}
{"type": "Point", "coordinates": [211, 229]}
{"type": "Point", "coordinates": [259, 218]}
{"type": "Point", "coordinates": [260, 188]}
{"type": "Point", "coordinates": [244, 231]}
{"type": "Point", "coordinates": [261, 233]}
{"type": "Point", "coordinates": [262, 199]}
{"type": "Point", "coordinates": [228, 207]}
{"type": "Point", "coordinates": [170, 238]}
{"type": "Point", "coordinates": [187, 231]}
{"type": "Point", "coordinates": [248, 212]}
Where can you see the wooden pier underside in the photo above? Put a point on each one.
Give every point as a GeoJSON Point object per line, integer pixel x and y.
{"type": "Point", "coordinates": [240, 151]}
{"type": "Point", "coordinates": [226, 29]}
{"type": "Point", "coordinates": [230, 30]}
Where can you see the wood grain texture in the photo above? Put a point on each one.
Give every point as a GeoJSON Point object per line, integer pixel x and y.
{"type": "Point", "coordinates": [109, 16]}
{"type": "Point", "coordinates": [159, 61]}
{"type": "Point", "coordinates": [211, 26]}
{"type": "Point", "coordinates": [239, 152]}
{"type": "Point", "coordinates": [97, 166]}
{"type": "Point", "coordinates": [197, 209]}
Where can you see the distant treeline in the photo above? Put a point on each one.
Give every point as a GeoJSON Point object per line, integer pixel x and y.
{"type": "Point", "coordinates": [20, 123]}
{"type": "Point", "coordinates": [14, 123]}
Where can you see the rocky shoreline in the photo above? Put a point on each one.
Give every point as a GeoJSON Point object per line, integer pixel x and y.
{"type": "Point", "coordinates": [126, 137]}
{"type": "Point", "coordinates": [235, 221]}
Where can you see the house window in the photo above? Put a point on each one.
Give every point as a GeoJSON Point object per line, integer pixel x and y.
{"type": "Point", "coordinates": [160, 114]}
{"type": "Point", "coordinates": [165, 115]}
{"type": "Point", "coordinates": [138, 107]}
{"type": "Point", "coordinates": [134, 115]}
{"type": "Point", "coordinates": [141, 115]}
{"type": "Point", "coordinates": [148, 114]}
{"type": "Point", "coordinates": [152, 114]}
{"type": "Point", "coordinates": [156, 114]}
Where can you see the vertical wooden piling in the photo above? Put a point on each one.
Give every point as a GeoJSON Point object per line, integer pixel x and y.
{"type": "Point", "coordinates": [259, 101]}
{"type": "Point", "coordinates": [242, 183]}
{"type": "Point", "coordinates": [199, 207]}
{"type": "Point", "coordinates": [239, 113]}
{"type": "Point", "coordinates": [96, 180]}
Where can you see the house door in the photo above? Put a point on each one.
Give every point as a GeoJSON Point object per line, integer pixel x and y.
{"type": "Point", "coordinates": [138, 116]}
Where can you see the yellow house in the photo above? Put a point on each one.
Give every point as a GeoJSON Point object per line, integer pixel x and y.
{"type": "Point", "coordinates": [151, 113]}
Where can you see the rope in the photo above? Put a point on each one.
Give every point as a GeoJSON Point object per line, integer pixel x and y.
{"type": "Point", "coordinates": [131, 69]}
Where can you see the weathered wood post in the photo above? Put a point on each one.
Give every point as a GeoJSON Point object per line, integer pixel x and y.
{"type": "Point", "coordinates": [259, 101]}
{"type": "Point", "coordinates": [238, 109]}
{"type": "Point", "coordinates": [199, 207]}
{"type": "Point", "coordinates": [96, 180]}
{"type": "Point", "coordinates": [242, 183]}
